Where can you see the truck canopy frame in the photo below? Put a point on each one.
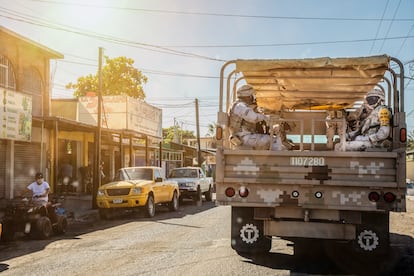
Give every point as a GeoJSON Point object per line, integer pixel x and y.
{"type": "Point", "coordinates": [311, 84]}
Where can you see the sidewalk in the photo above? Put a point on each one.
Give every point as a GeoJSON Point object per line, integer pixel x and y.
{"type": "Point", "coordinates": [79, 208]}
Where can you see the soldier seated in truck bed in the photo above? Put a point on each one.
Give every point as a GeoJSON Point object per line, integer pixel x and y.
{"type": "Point", "coordinates": [243, 120]}
{"type": "Point", "coordinates": [374, 127]}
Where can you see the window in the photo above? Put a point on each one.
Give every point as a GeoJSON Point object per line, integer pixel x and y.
{"type": "Point", "coordinates": [7, 76]}
{"type": "Point", "coordinates": [32, 84]}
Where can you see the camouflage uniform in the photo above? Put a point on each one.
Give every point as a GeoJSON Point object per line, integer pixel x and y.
{"type": "Point", "coordinates": [374, 130]}
{"type": "Point", "coordinates": [334, 125]}
{"type": "Point", "coordinates": [242, 124]}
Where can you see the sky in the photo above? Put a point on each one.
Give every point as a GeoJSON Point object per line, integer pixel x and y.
{"type": "Point", "coordinates": [180, 45]}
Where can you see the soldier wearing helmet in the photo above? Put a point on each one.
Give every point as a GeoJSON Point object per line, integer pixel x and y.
{"type": "Point", "coordinates": [243, 120]}
{"type": "Point", "coordinates": [374, 127]}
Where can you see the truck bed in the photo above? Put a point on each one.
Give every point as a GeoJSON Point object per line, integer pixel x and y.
{"type": "Point", "coordinates": [345, 179]}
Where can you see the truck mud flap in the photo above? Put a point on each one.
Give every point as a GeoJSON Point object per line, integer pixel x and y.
{"type": "Point", "coordinates": [246, 233]}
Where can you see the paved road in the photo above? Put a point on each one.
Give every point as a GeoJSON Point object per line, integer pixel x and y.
{"type": "Point", "coordinates": [193, 241]}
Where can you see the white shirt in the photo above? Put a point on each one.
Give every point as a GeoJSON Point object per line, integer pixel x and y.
{"type": "Point", "coordinates": [39, 190]}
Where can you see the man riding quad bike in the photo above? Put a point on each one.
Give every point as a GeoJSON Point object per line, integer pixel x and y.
{"type": "Point", "coordinates": [37, 217]}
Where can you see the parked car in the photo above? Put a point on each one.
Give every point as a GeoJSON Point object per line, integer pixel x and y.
{"type": "Point", "coordinates": [193, 183]}
{"type": "Point", "coordinates": [135, 188]}
{"type": "Point", "coordinates": [410, 187]}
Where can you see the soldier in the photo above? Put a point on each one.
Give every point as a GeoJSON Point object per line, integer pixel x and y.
{"type": "Point", "coordinates": [334, 125]}
{"type": "Point", "coordinates": [243, 120]}
{"type": "Point", "coordinates": [374, 128]}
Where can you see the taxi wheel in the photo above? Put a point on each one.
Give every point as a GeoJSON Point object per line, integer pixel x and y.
{"type": "Point", "coordinates": [173, 205]}
{"type": "Point", "coordinates": [150, 206]}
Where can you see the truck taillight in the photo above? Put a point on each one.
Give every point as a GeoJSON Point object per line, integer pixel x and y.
{"type": "Point", "coordinates": [403, 135]}
{"type": "Point", "coordinates": [374, 196]}
{"type": "Point", "coordinates": [219, 133]}
{"type": "Point", "coordinates": [243, 192]}
{"type": "Point", "coordinates": [230, 192]}
{"type": "Point", "coordinates": [389, 197]}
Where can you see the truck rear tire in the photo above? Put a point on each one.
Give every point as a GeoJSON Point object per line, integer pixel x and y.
{"type": "Point", "coordinates": [209, 194]}
{"type": "Point", "coordinates": [247, 233]}
{"type": "Point", "coordinates": [370, 249]}
{"type": "Point", "coordinates": [198, 197]}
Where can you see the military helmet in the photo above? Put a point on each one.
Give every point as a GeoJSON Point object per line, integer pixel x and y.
{"type": "Point", "coordinates": [245, 91]}
{"type": "Point", "coordinates": [376, 93]}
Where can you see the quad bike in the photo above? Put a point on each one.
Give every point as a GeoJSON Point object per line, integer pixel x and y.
{"type": "Point", "coordinates": [36, 221]}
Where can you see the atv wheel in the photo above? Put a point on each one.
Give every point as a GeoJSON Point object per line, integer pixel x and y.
{"type": "Point", "coordinates": [61, 225]}
{"type": "Point", "coordinates": [8, 231]}
{"type": "Point", "coordinates": [43, 228]}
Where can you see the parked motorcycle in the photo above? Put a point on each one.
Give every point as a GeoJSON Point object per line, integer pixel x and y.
{"type": "Point", "coordinates": [36, 221]}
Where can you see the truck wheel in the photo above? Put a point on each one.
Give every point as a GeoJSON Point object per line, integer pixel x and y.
{"type": "Point", "coordinates": [209, 194]}
{"type": "Point", "coordinates": [43, 228]}
{"type": "Point", "coordinates": [247, 233]}
{"type": "Point", "coordinates": [370, 249]}
{"type": "Point", "coordinates": [8, 231]}
{"type": "Point", "coordinates": [61, 225]}
{"type": "Point", "coordinates": [198, 196]}
{"type": "Point", "coordinates": [173, 204]}
{"type": "Point", "coordinates": [150, 206]}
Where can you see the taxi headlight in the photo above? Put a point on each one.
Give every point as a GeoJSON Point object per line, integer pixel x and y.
{"type": "Point", "coordinates": [136, 191]}
{"type": "Point", "coordinates": [101, 193]}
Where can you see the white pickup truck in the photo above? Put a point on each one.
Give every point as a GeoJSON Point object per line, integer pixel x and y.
{"type": "Point", "coordinates": [193, 183]}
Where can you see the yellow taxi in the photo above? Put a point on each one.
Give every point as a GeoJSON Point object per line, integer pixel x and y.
{"type": "Point", "coordinates": [135, 188]}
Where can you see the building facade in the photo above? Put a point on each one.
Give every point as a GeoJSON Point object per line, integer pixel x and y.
{"type": "Point", "coordinates": [25, 101]}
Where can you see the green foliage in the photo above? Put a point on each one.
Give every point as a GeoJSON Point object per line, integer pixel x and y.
{"type": "Point", "coordinates": [119, 77]}
{"type": "Point", "coordinates": [168, 134]}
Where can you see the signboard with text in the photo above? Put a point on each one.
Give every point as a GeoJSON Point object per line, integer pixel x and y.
{"type": "Point", "coordinates": [122, 112]}
{"type": "Point", "coordinates": [15, 115]}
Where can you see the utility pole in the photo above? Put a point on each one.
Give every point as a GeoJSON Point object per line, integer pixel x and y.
{"type": "Point", "coordinates": [97, 180]}
{"type": "Point", "coordinates": [198, 134]}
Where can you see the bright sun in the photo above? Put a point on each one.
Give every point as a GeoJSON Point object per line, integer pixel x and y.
{"type": "Point", "coordinates": [89, 14]}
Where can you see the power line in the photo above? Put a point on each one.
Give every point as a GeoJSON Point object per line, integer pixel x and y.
{"type": "Point", "coordinates": [223, 14]}
{"type": "Point", "coordinates": [389, 27]}
{"type": "Point", "coordinates": [379, 26]}
{"type": "Point", "coordinates": [149, 47]}
{"type": "Point", "coordinates": [290, 44]}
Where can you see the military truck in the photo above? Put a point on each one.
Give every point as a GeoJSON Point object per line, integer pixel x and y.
{"type": "Point", "coordinates": [312, 192]}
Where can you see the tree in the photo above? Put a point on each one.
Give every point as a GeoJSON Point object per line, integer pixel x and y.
{"type": "Point", "coordinates": [119, 77]}
{"type": "Point", "coordinates": [168, 134]}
